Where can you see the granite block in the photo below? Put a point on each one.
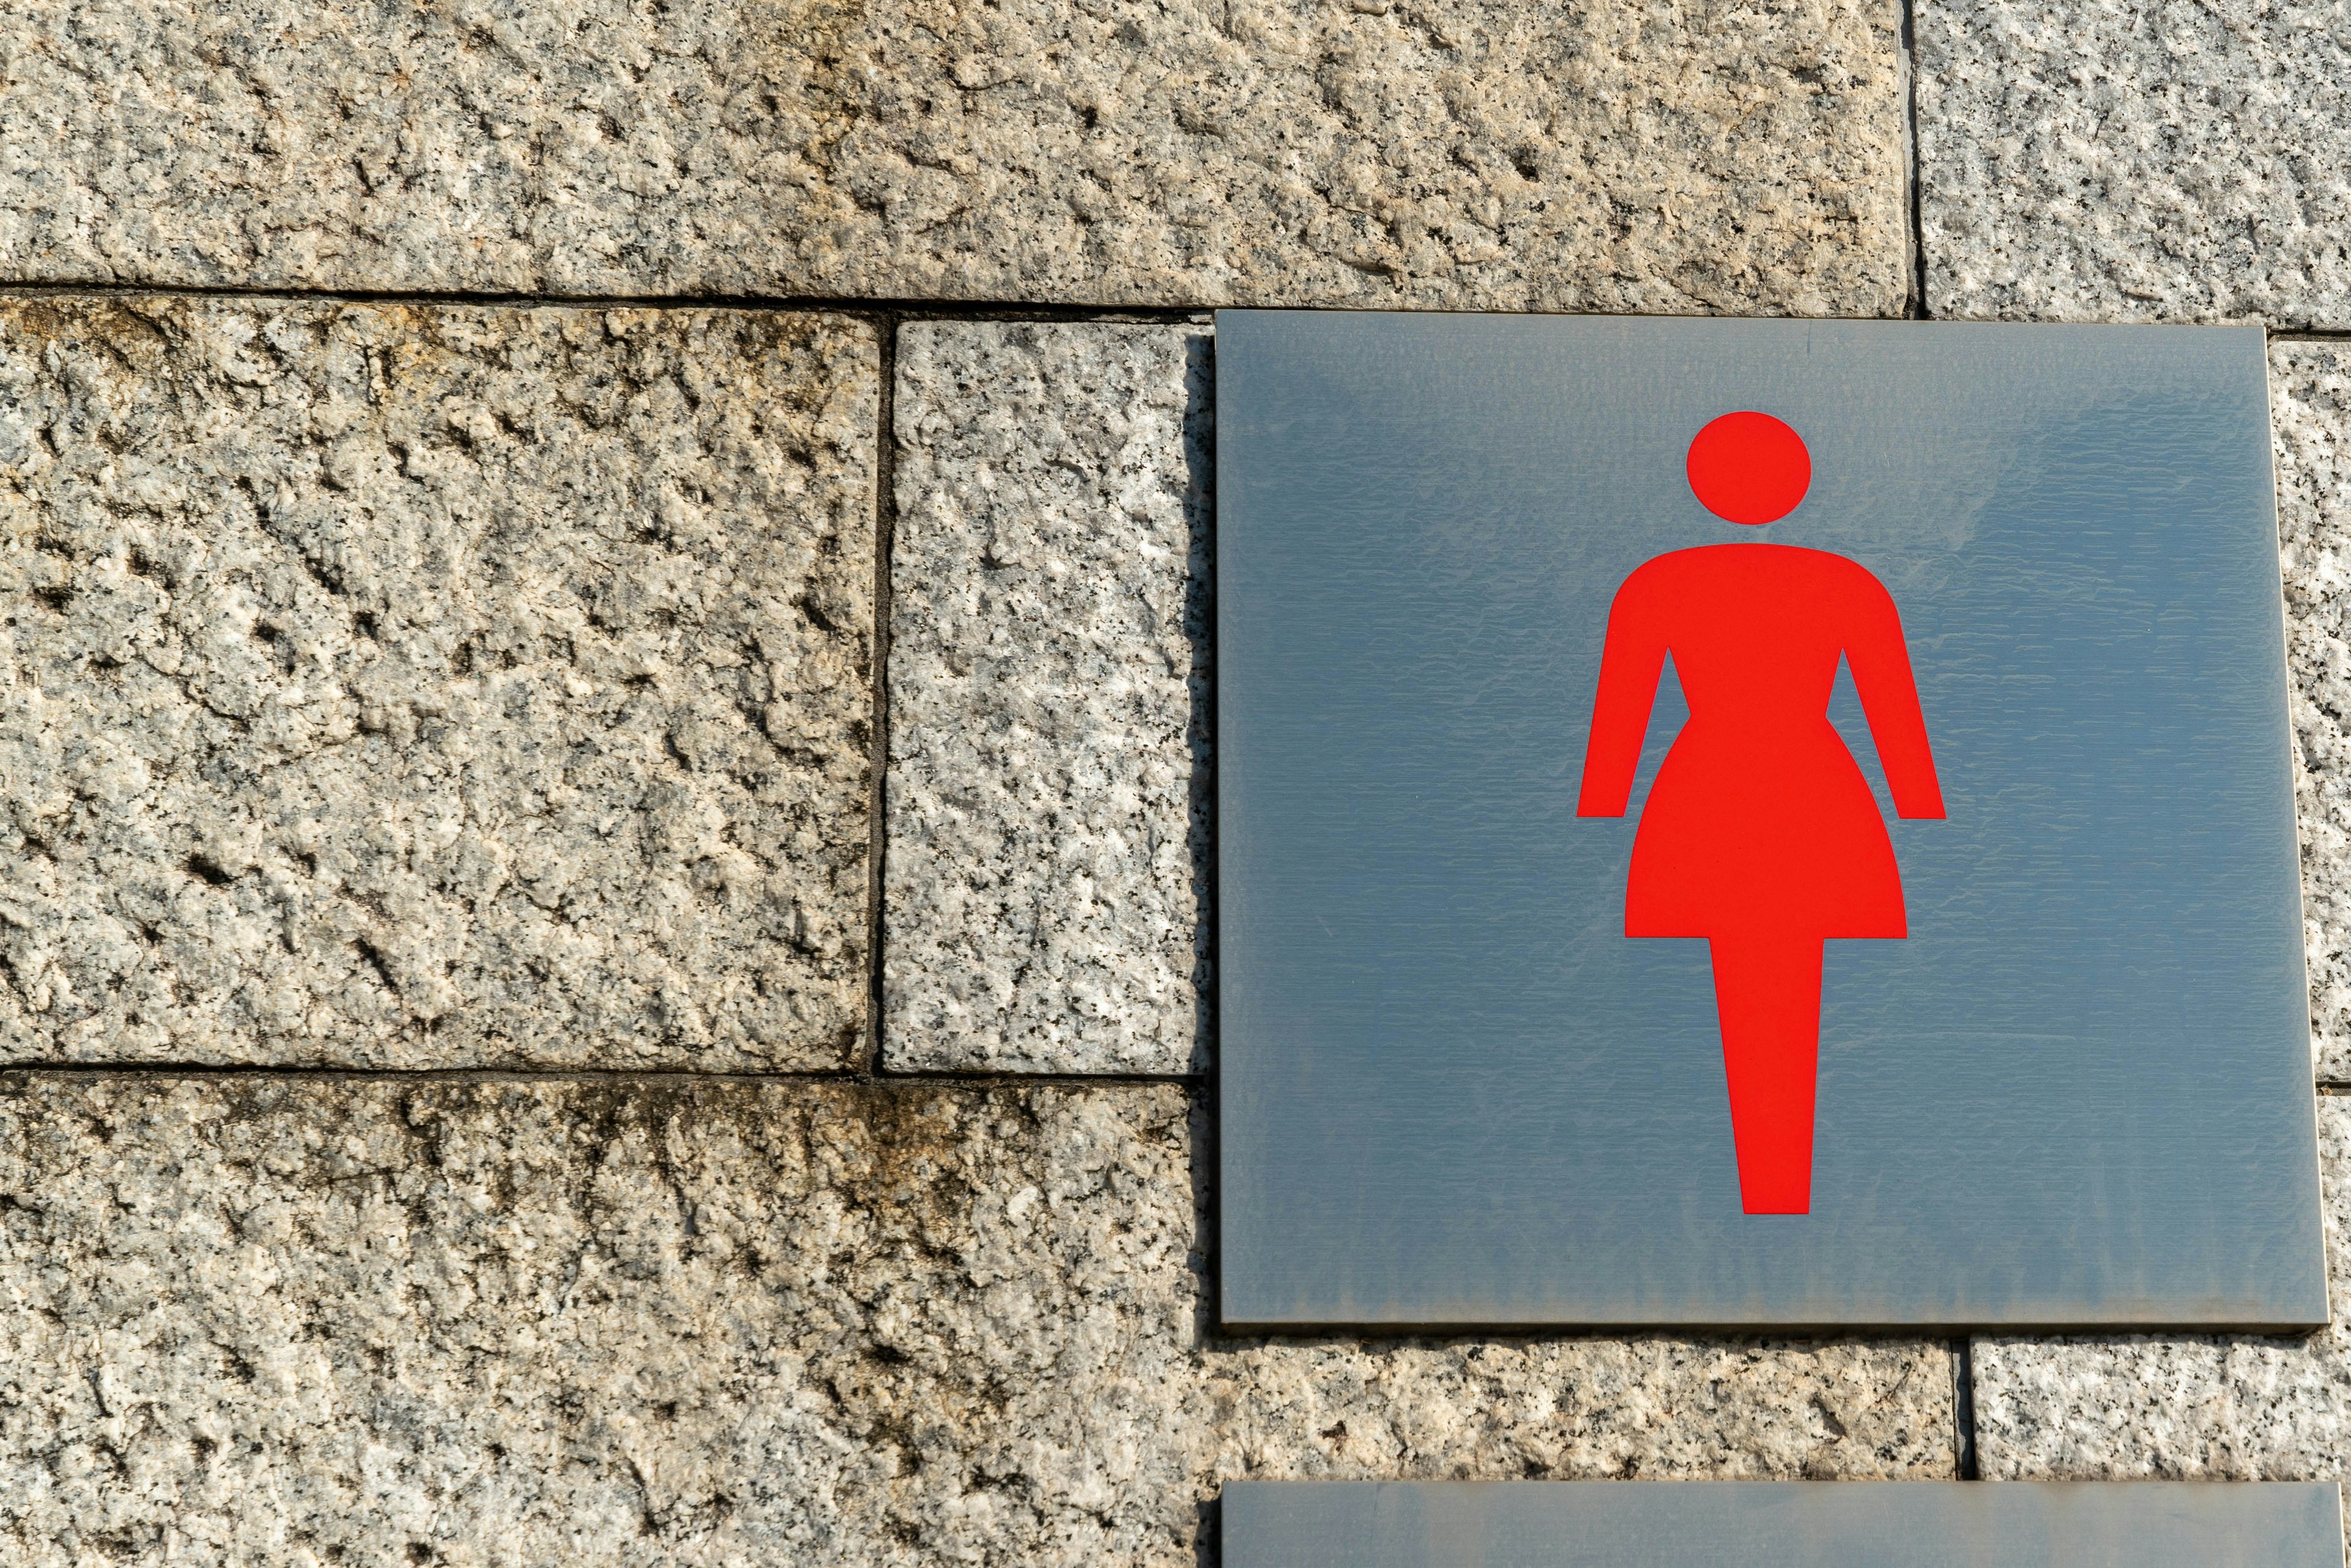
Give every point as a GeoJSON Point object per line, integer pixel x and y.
{"type": "Point", "coordinates": [1719, 155]}
{"type": "Point", "coordinates": [2310, 420]}
{"type": "Point", "coordinates": [2201, 1407]}
{"type": "Point", "coordinates": [698, 1321]}
{"type": "Point", "coordinates": [1048, 903]}
{"type": "Point", "coordinates": [430, 686]}
{"type": "Point", "coordinates": [2108, 159]}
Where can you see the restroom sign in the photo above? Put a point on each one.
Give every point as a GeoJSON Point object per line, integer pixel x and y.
{"type": "Point", "coordinates": [1740, 822]}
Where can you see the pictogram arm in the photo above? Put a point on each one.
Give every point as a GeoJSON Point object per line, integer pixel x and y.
{"type": "Point", "coordinates": [1880, 663]}
{"type": "Point", "coordinates": [1630, 663]}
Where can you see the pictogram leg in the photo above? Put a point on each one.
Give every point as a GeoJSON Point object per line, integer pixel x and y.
{"type": "Point", "coordinates": [1767, 993]}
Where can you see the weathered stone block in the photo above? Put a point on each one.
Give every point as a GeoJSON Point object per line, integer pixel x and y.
{"type": "Point", "coordinates": [1047, 870]}
{"type": "Point", "coordinates": [434, 686]}
{"type": "Point", "coordinates": [718, 1322]}
{"type": "Point", "coordinates": [2310, 417]}
{"type": "Point", "coordinates": [2104, 159]}
{"type": "Point", "coordinates": [1718, 155]}
{"type": "Point", "coordinates": [2220, 1406]}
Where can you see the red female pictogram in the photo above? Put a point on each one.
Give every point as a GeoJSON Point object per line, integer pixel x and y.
{"type": "Point", "coordinates": [1760, 833]}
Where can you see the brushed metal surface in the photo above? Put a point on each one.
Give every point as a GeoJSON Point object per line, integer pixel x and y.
{"type": "Point", "coordinates": [1454, 1092]}
{"type": "Point", "coordinates": [1783, 1524]}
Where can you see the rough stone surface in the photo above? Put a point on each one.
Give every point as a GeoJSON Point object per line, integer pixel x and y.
{"type": "Point", "coordinates": [2310, 415]}
{"type": "Point", "coordinates": [432, 686]}
{"type": "Point", "coordinates": [2107, 160]}
{"type": "Point", "coordinates": [2231, 1407]}
{"type": "Point", "coordinates": [1715, 155]}
{"type": "Point", "coordinates": [1049, 852]}
{"type": "Point", "coordinates": [708, 1322]}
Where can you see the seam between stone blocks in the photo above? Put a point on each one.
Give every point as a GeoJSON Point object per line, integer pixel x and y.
{"type": "Point", "coordinates": [1963, 1409]}
{"type": "Point", "coordinates": [659, 1077]}
{"type": "Point", "coordinates": [885, 523]}
{"type": "Point", "coordinates": [1913, 168]}
{"type": "Point", "coordinates": [876, 311]}
{"type": "Point", "coordinates": [897, 312]}
{"type": "Point", "coordinates": [893, 308]}
{"type": "Point", "coordinates": [1202, 1082]}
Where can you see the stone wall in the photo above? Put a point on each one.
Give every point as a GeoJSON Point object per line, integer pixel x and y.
{"type": "Point", "coordinates": [604, 904]}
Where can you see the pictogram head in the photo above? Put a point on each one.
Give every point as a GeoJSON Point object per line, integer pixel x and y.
{"type": "Point", "coordinates": [1748, 467]}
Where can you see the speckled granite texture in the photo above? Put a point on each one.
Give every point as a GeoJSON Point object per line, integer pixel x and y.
{"type": "Point", "coordinates": [434, 686]}
{"type": "Point", "coordinates": [521, 1323]}
{"type": "Point", "coordinates": [2117, 159]}
{"type": "Point", "coordinates": [1718, 155]}
{"type": "Point", "coordinates": [2310, 416]}
{"type": "Point", "coordinates": [2209, 1407]}
{"type": "Point", "coordinates": [1048, 794]}
{"type": "Point", "coordinates": [439, 685]}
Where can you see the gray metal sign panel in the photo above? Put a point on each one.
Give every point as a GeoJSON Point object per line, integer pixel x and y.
{"type": "Point", "coordinates": [1781, 1524]}
{"type": "Point", "coordinates": [1518, 1017]}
